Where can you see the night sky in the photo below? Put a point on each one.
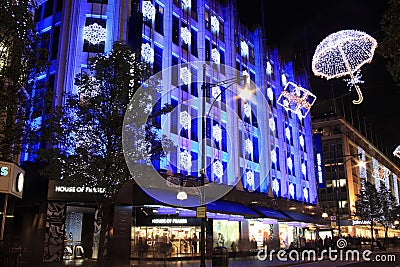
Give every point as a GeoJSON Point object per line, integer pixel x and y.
{"type": "Point", "coordinates": [297, 27]}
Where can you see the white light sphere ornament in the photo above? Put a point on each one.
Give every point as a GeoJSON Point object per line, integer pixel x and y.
{"type": "Point", "coordinates": [147, 53]}
{"type": "Point", "coordinates": [275, 186]}
{"type": "Point", "coordinates": [94, 33]}
{"type": "Point", "coordinates": [244, 49]}
{"type": "Point", "coordinates": [274, 157]}
{"type": "Point", "coordinates": [186, 76]}
{"type": "Point", "coordinates": [396, 152]}
{"type": "Point", "coordinates": [247, 110]}
{"type": "Point", "coordinates": [272, 125]}
{"type": "Point", "coordinates": [296, 99]}
{"type": "Point", "coordinates": [305, 193]}
{"type": "Point", "coordinates": [291, 190]}
{"type": "Point", "coordinates": [249, 146]}
{"type": "Point", "coordinates": [344, 53]}
{"type": "Point", "coordinates": [185, 159]}
{"type": "Point", "coordinates": [186, 3]}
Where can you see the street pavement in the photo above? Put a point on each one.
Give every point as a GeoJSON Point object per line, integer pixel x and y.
{"type": "Point", "coordinates": [237, 262]}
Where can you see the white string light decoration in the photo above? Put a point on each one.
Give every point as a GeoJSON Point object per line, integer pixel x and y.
{"type": "Point", "coordinates": [268, 69]}
{"type": "Point", "coordinates": [270, 93]}
{"type": "Point", "coordinates": [186, 35]}
{"type": "Point", "coordinates": [289, 163]}
{"type": "Point", "coordinates": [94, 33]}
{"type": "Point", "coordinates": [185, 159]}
{"type": "Point", "coordinates": [147, 53]}
{"type": "Point", "coordinates": [248, 146]}
{"type": "Point", "coordinates": [296, 99]}
{"type": "Point", "coordinates": [186, 3]}
{"type": "Point", "coordinates": [186, 76]}
{"type": "Point", "coordinates": [185, 119]}
{"type": "Point", "coordinates": [148, 10]}
{"type": "Point", "coordinates": [275, 186]}
{"type": "Point", "coordinates": [304, 169]}
{"type": "Point", "coordinates": [301, 141]}
{"type": "Point", "coordinates": [244, 48]}
{"type": "Point", "coordinates": [272, 125]}
{"type": "Point", "coordinates": [305, 193]}
{"type": "Point", "coordinates": [284, 79]}
{"type": "Point", "coordinates": [291, 190]}
{"type": "Point", "coordinates": [216, 92]}
{"type": "Point", "coordinates": [274, 157]}
{"type": "Point", "coordinates": [214, 23]}
{"type": "Point", "coordinates": [217, 133]}
{"type": "Point", "coordinates": [343, 53]}
{"type": "Point", "coordinates": [247, 110]}
{"type": "Point", "coordinates": [218, 169]}
{"type": "Point", "coordinates": [288, 134]}
{"type": "Point", "coordinates": [250, 178]}
{"type": "Point", "coordinates": [396, 152]}
{"type": "Point", "coordinates": [215, 56]}
{"type": "Point", "coordinates": [357, 80]}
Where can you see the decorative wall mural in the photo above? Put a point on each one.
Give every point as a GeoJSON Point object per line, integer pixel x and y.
{"type": "Point", "coordinates": [55, 232]}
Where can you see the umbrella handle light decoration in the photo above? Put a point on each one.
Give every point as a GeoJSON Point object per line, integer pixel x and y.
{"type": "Point", "coordinates": [343, 53]}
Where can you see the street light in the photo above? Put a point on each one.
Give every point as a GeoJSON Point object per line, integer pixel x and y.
{"type": "Point", "coordinates": [227, 83]}
{"type": "Point", "coordinates": [360, 163]}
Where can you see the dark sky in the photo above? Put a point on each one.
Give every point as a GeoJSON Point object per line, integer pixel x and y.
{"type": "Point", "coordinates": [297, 27]}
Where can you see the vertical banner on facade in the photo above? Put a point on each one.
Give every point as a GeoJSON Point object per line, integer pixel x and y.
{"type": "Point", "coordinates": [319, 160]}
{"type": "Point", "coordinates": [55, 232]}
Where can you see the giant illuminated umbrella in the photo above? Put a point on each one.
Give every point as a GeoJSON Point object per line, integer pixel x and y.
{"type": "Point", "coordinates": [343, 53]}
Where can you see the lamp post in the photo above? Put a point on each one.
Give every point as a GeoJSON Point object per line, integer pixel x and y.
{"type": "Point", "coordinates": [228, 83]}
{"type": "Point", "coordinates": [337, 196]}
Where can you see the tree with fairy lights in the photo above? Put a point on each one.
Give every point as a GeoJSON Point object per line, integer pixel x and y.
{"type": "Point", "coordinates": [21, 61]}
{"type": "Point", "coordinates": [389, 209]}
{"type": "Point", "coordinates": [369, 206]}
{"type": "Point", "coordinates": [87, 134]}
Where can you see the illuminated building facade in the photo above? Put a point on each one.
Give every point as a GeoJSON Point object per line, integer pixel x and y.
{"type": "Point", "coordinates": [275, 159]}
{"type": "Point", "coordinates": [344, 146]}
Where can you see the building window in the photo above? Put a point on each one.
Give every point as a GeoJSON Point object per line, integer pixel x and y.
{"type": "Point", "coordinates": [194, 126]}
{"type": "Point", "coordinates": [194, 84]}
{"type": "Point", "coordinates": [194, 9]}
{"type": "Point", "coordinates": [48, 8]}
{"type": "Point", "coordinates": [175, 30]}
{"type": "Point", "coordinates": [159, 20]}
{"type": "Point", "coordinates": [174, 75]}
{"type": "Point", "coordinates": [177, 3]}
{"type": "Point", "coordinates": [221, 31]}
{"type": "Point", "coordinates": [222, 58]}
{"type": "Point", "coordinates": [193, 45]}
{"type": "Point", "coordinates": [174, 116]}
{"type": "Point", "coordinates": [207, 19]}
{"type": "Point", "coordinates": [59, 5]}
{"type": "Point", "coordinates": [55, 41]}
{"type": "Point", "coordinates": [208, 50]}
{"type": "Point", "coordinates": [157, 67]}
{"type": "Point", "coordinates": [251, 52]}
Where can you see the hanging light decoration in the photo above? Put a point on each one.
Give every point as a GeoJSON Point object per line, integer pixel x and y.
{"type": "Point", "coordinates": [244, 48]}
{"type": "Point", "coordinates": [396, 152]}
{"type": "Point", "coordinates": [185, 159]}
{"type": "Point", "coordinates": [275, 186]}
{"type": "Point", "coordinates": [268, 69]}
{"type": "Point", "coordinates": [94, 33]}
{"type": "Point", "coordinates": [186, 76]}
{"type": "Point", "coordinates": [272, 125]}
{"type": "Point", "coordinates": [344, 53]}
{"type": "Point", "coordinates": [288, 133]}
{"type": "Point", "coordinates": [186, 3]}
{"type": "Point", "coordinates": [247, 110]}
{"type": "Point", "coordinates": [289, 163]}
{"type": "Point", "coordinates": [274, 157]}
{"type": "Point", "coordinates": [248, 146]}
{"type": "Point", "coordinates": [270, 94]}
{"type": "Point", "coordinates": [304, 169]}
{"type": "Point", "coordinates": [147, 53]}
{"type": "Point", "coordinates": [216, 57]}
{"type": "Point", "coordinates": [291, 190]}
{"type": "Point", "coordinates": [214, 23]}
{"type": "Point", "coordinates": [216, 92]}
{"type": "Point", "coordinates": [305, 193]}
{"type": "Point", "coordinates": [301, 140]}
{"type": "Point", "coordinates": [185, 119]}
{"type": "Point", "coordinates": [284, 79]}
{"type": "Point", "coordinates": [217, 133]}
{"type": "Point", "coordinates": [296, 99]}
{"type": "Point", "coordinates": [218, 169]}
{"type": "Point", "coordinates": [250, 177]}
{"type": "Point", "coordinates": [186, 35]}
{"type": "Point", "coordinates": [148, 10]}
